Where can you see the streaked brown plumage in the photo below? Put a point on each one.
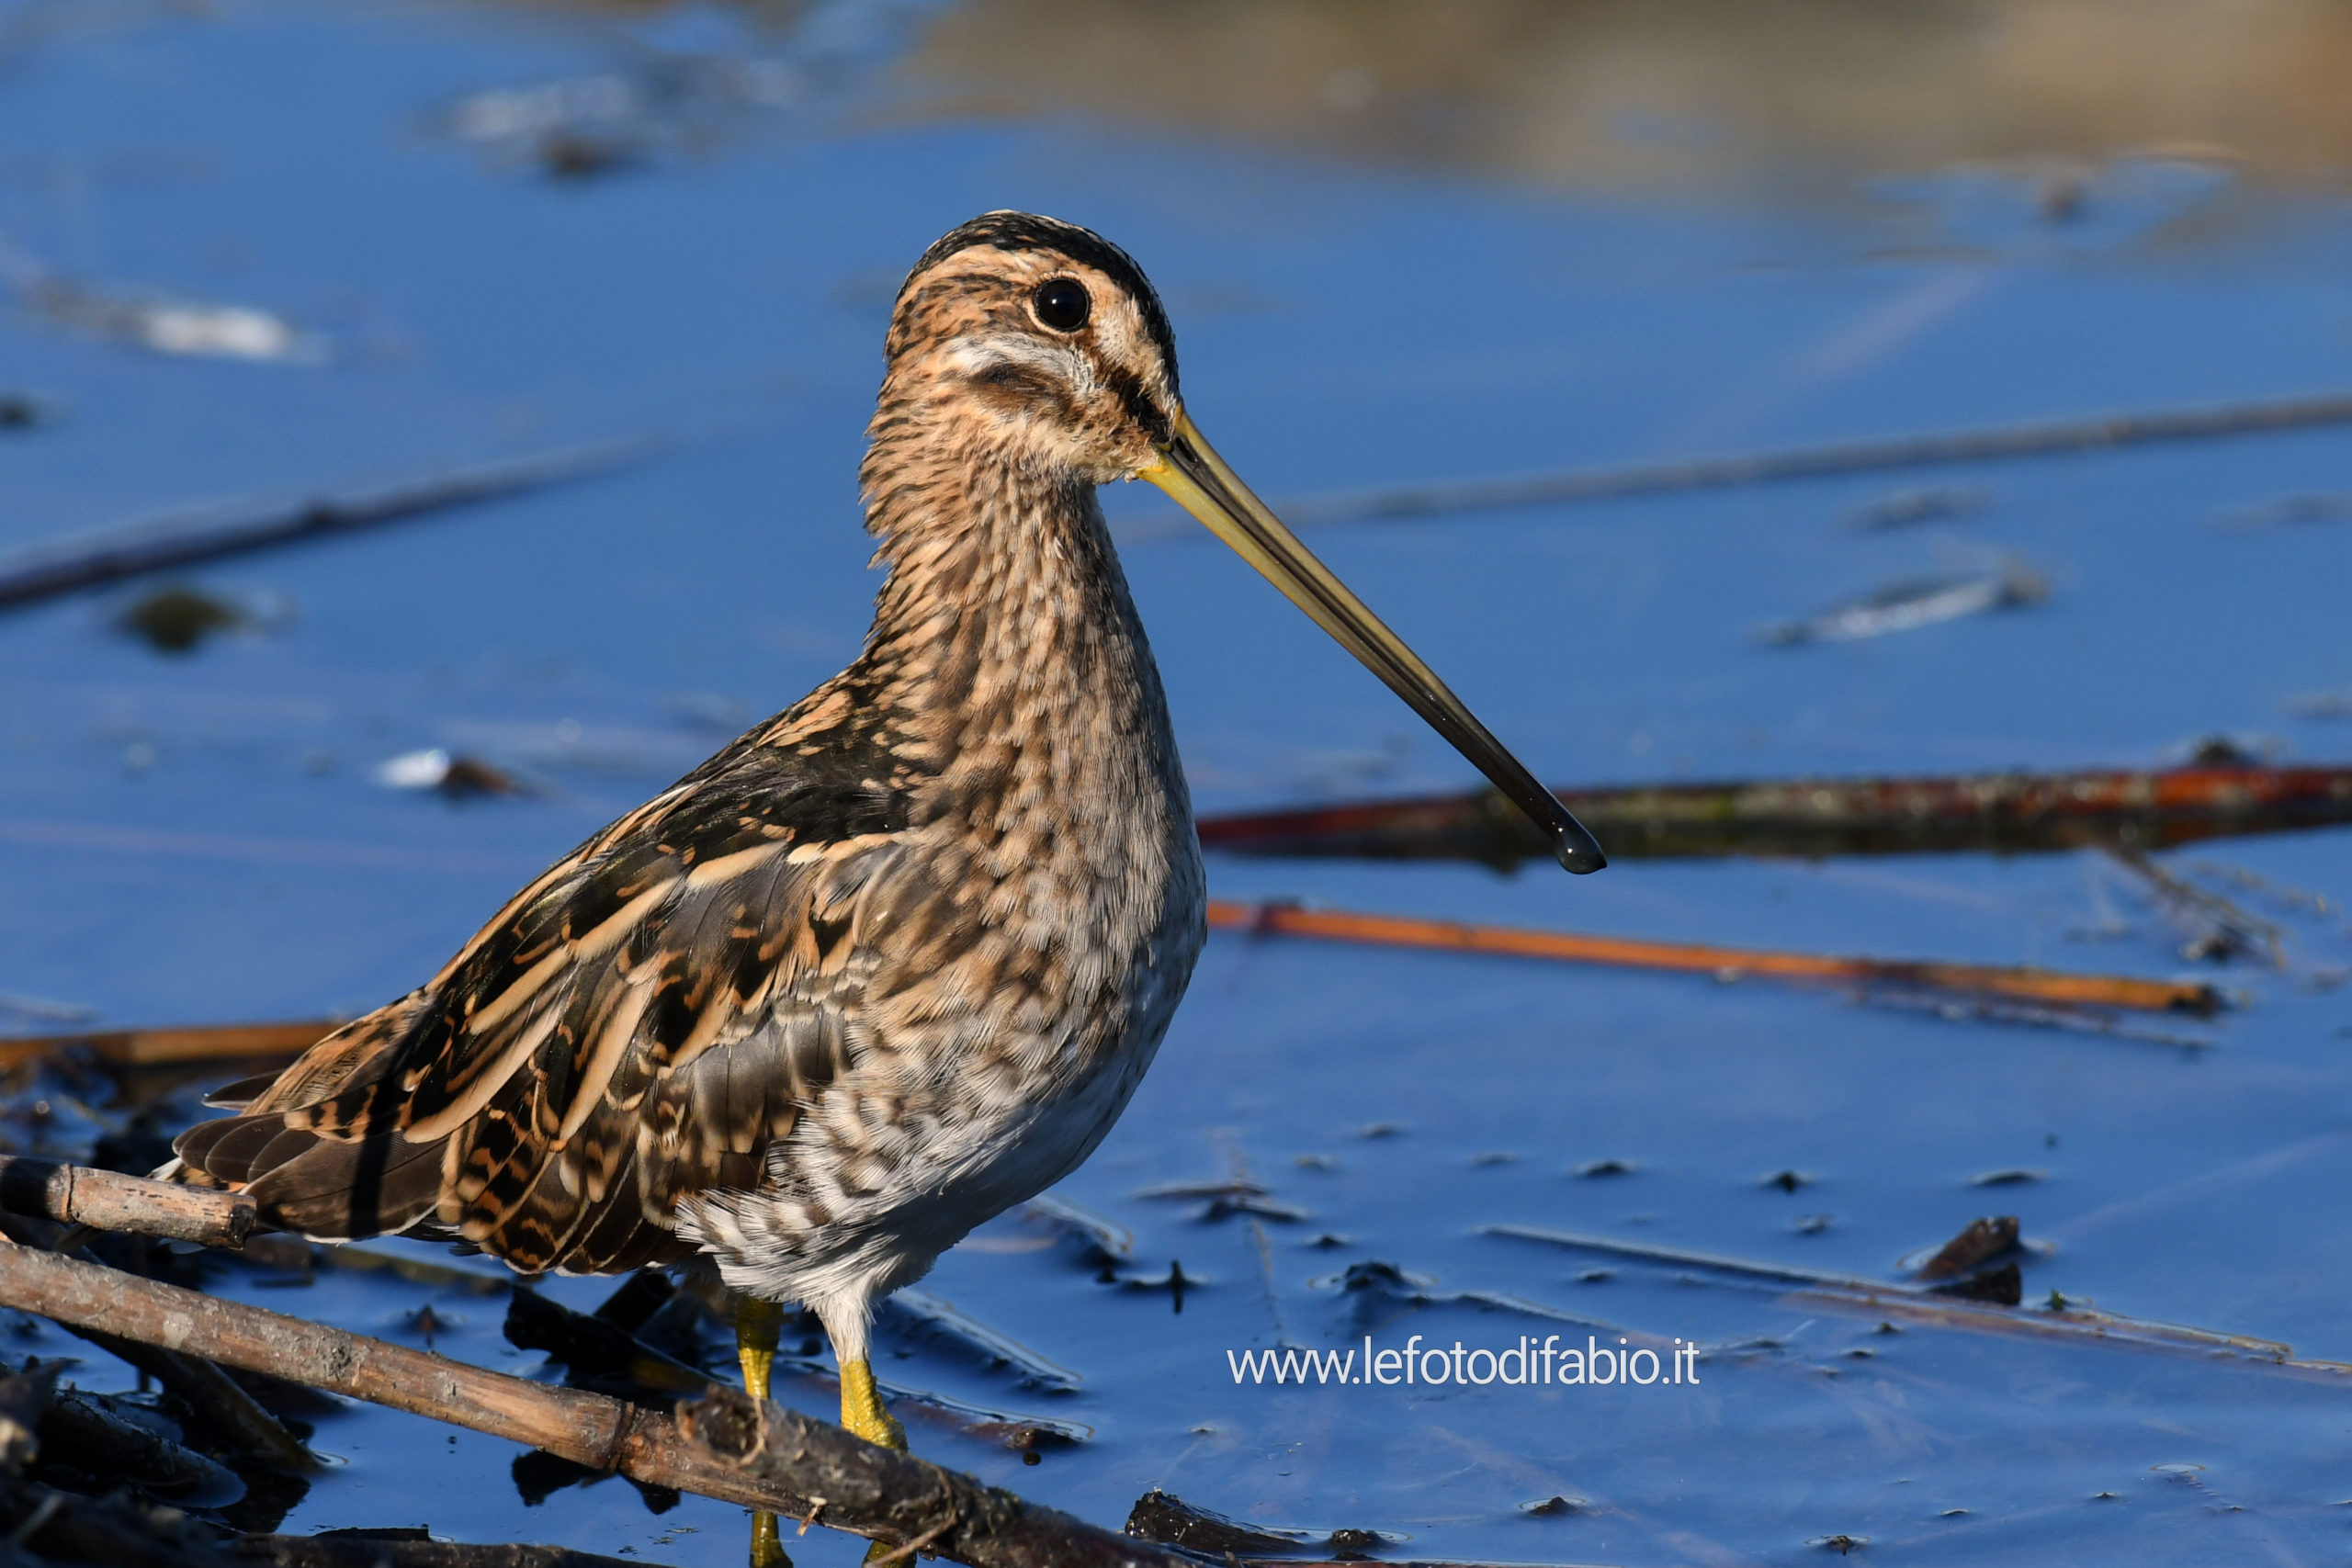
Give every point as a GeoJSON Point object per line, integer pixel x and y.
{"type": "Point", "coordinates": [894, 960]}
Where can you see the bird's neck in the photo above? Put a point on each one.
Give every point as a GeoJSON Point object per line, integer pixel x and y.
{"type": "Point", "coordinates": [1005, 636]}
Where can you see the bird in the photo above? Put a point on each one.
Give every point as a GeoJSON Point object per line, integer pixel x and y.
{"type": "Point", "coordinates": [895, 959]}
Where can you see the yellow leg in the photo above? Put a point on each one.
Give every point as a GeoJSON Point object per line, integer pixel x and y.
{"type": "Point", "coordinates": [862, 1410]}
{"type": "Point", "coordinates": [862, 1413]}
{"type": "Point", "coordinates": [756, 1323]}
{"type": "Point", "coordinates": [767, 1543]}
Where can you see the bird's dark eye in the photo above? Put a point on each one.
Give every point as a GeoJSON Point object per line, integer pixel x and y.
{"type": "Point", "coordinates": [1062, 303]}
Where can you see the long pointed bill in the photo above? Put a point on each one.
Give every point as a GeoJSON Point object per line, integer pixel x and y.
{"type": "Point", "coordinates": [1192, 472]}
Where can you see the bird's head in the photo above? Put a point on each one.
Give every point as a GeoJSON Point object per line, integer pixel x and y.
{"type": "Point", "coordinates": [1043, 344]}
{"type": "Point", "coordinates": [1049, 344]}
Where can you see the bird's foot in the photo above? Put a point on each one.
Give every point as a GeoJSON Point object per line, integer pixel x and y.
{"type": "Point", "coordinates": [863, 1414]}
{"type": "Point", "coordinates": [757, 1325]}
{"type": "Point", "coordinates": [862, 1411]}
{"type": "Point", "coordinates": [767, 1543]}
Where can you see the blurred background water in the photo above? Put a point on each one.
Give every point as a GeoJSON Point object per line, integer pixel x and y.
{"type": "Point", "coordinates": [258, 249]}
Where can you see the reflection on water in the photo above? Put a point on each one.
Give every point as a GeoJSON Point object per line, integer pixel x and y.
{"type": "Point", "coordinates": [1707, 92]}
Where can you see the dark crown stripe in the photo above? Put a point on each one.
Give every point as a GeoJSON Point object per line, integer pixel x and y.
{"type": "Point", "coordinates": [1011, 230]}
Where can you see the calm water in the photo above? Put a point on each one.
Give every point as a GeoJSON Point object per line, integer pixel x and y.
{"type": "Point", "coordinates": [1393, 254]}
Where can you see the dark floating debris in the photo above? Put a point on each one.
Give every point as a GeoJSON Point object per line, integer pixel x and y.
{"type": "Point", "coordinates": [1601, 1167]}
{"type": "Point", "coordinates": [1982, 1241]}
{"type": "Point", "coordinates": [178, 618]}
{"type": "Point", "coordinates": [1175, 1282]}
{"type": "Point", "coordinates": [1981, 1264]}
{"type": "Point", "coordinates": [1908, 605]}
{"type": "Point", "coordinates": [2222, 751]}
{"type": "Point", "coordinates": [2015, 1176]}
{"type": "Point", "coordinates": [1376, 1274]}
{"type": "Point", "coordinates": [1843, 1545]}
{"type": "Point", "coordinates": [455, 775]}
{"type": "Point", "coordinates": [1787, 1180]}
{"type": "Point", "coordinates": [19, 410]}
{"type": "Point", "coordinates": [1973, 983]}
{"type": "Point", "coordinates": [573, 155]}
{"type": "Point", "coordinates": [2004, 813]}
{"type": "Point", "coordinates": [1553, 1508]}
{"type": "Point", "coordinates": [1812, 1225]}
{"type": "Point", "coordinates": [426, 1324]}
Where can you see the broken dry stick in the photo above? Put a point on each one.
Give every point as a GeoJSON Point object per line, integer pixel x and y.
{"type": "Point", "coordinates": [108, 1201]}
{"type": "Point", "coordinates": [1725, 962]}
{"type": "Point", "coordinates": [183, 538]}
{"type": "Point", "coordinates": [2001, 813]}
{"type": "Point", "coordinates": [722, 1446]}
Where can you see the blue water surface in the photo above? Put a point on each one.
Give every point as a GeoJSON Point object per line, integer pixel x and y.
{"type": "Point", "coordinates": [202, 837]}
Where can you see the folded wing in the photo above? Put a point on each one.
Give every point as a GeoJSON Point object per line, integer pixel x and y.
{"type": "Point", "coordinates": [641, 1023]}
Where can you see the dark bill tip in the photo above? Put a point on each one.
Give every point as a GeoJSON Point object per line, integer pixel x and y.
{"type": "Point", "coordinates": [1192, 472]}
{"type": "Point", "coordinates": [1575, 848]}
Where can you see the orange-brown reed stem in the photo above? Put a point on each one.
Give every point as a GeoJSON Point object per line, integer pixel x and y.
{"type": "Point", "coordinates": [1729, 962]}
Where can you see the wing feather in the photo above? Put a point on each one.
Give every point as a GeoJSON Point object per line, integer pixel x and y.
{"type": "Point", "coordinates": [638, 1024]}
